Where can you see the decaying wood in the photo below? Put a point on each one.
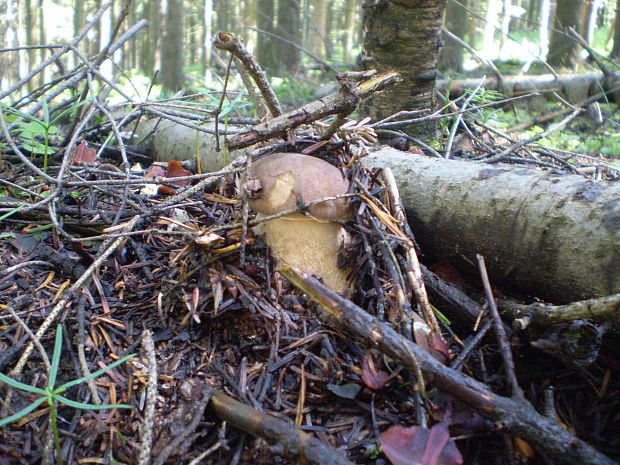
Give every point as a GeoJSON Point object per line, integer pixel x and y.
{"type": "Point", "coordinates": [574, 87]}
{"type": "Point", "coordinates": [515, 416]}
{"type": "Point", "coordinates": [602, 309]}
{"type": "Point", "coordinates": [343, 101]}
{"type": "Point", "coordinates": [284, 438]}
{"type": "Point", "coordinates": [551, 236]}
{"type": "Point", "coordinates": [175, 141]}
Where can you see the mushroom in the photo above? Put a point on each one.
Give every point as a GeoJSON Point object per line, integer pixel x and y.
{"type": "Point", "coordinates": [310, 240]}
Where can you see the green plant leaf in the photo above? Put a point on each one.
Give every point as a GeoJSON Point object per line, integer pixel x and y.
{"type": "Point", "coordinates": [24, 387]}
{"type": "Point", "coordinates": [84, 406]}
{"type": "Point", "coordinates": [69, 110]}
{"type": "Point", "coordinates": [97, 373]}
{"type": "Point", "coordinates": [23, 412]}
{"type": "Point", "coordinates": [55, 358]}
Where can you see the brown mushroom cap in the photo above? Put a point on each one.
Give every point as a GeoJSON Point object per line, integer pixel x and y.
{"type": "Point", "coordinates": [286, 179]}
{"type": "Point", "coordinates": [310, 240]}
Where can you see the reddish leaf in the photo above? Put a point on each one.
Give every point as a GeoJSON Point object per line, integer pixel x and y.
{"type": "Point", "coordinates": [173, 170]}
{"type": "Point", "coordinates": [439, 349]}
{"type": "Point", "coordinates": [154, 171]}
{"type": "Point", "coordinates": [176, 170]}
{"type": "Point", "coordinates": [373, 378]}
{"type": "Point", "coordinates": [449, 274]}
{"type": "Point", "coordinates": [420, 446]}
{"type": "Point", "coordinates": [84, 154]}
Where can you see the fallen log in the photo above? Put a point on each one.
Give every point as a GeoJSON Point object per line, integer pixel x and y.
{"type": "Point", "coordinates": [574, 87]}
{"type": "Point", "coordinates": [548, 235]}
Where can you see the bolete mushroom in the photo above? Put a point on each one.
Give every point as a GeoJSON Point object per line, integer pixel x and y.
{"type": "Point", "coordinates": [311, 239]}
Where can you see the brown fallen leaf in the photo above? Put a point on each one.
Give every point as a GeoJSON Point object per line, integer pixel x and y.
{"type": "Point", "coordinates": [175, 170]}
{"type": "Point", "coordinates": [84, 154]}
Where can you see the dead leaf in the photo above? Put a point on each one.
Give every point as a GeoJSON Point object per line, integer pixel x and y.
{"type": "Point", "coordinates": [449, 274]}
{"type": "Point", "coordinates": [373, 378]}
{"type": "Point", "coordinates": [84, 154]}
{"type": "Point", "coordinates": [175, 170]}
{"type": "Point", "coordinates": [420, 446]}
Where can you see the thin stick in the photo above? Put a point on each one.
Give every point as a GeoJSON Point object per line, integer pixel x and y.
{"type": "Point", "coordinates": [502, 339]}
{"type": "Point", "coordinates": [234, 46]}
{"type": "Point", "coordinates": [146, 428]}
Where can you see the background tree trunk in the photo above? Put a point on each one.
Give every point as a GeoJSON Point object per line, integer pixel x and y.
{"type": "Point", "coordinates": [615, 52]}
{"type": "Point", "coordinates": [349, 30]}
{"type": "Point", "coordinates": [9, 26]}
{"type": "Point", "coordinates": [318, 27]}
{"type": "Point", "coordinates": [543, 28]}
{"type": "Point", "coordinates": [30, 24]}
{"type": "Point", "coordinates": [490, 26]}
{"type": "Point", "coordinates": [172, 51]}
{"type": "Point", "coordinates": [151, 38]}
{"type": "Point", "coordinates": [563, 51]}
{"type": "Point", "coordinates": [404, 36]}
{"type": "Point", "coordinates": [457, 21]}
{"type": "Point", "coordinates": [265, 45]}
{"type": "Point", "coordinates": [289, 27]}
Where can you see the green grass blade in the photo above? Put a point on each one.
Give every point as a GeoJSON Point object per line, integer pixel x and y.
{"type": "Point", "coordinates": [46, 111]}
{"type": "Point", "coordinates": [12, 212]}
{"type": "Point", "coordinates": [94, 375]}
{"type": "Point", "coordinates": [23, 412]}
{"type": "Point", "coordinates": [24, 387]}
{"type": "Point", "coordinates": [80, 405]}
{"type": "Point", "coordinates": [55, 357]}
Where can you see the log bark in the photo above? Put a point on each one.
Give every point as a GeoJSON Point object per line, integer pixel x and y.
{"type": "Point", "coordinates": [574, 87]}
{"type": "Point", "coordinates": [556, 237]}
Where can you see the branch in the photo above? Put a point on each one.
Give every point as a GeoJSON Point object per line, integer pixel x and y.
{"type": "Point", "coordinates": [515, 416]}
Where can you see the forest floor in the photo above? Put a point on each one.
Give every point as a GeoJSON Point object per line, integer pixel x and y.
{"type": "Point", "coordinates": [136, 304]}
{"type": "Point", "coordinates": [238, 327]}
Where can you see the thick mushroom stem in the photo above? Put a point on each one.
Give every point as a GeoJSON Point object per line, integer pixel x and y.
{"type": "Point", "coordinates": [311, 245]}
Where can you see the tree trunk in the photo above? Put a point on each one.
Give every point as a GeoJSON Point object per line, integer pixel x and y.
{"type": "Point", "coordinates": [550, 236]}
{"type": "Point", "coordinates": [490, 26]}
{"type": "Point", "coordinates": [543, 28]}
{"type": "Point", "coordinates": [404, 36]}
{"type": "Point", "coordinates": [564, 51]}
{"type": "Point", "coordinates": [349, 30]}
{"type": "Point", "coordinates": [172, 53]}
{"type": "Point", "coordinates": [457, 21]}
{"type": "Point", "coordinates": [505, 26]}
{"type": "Point", "coordinates": [590, 25]}
{"type": "Point", "coordinates": [265, 48]}
{"type": "Point", "coordinates": [206, 41]}
{"type": "Point", "coordinates": [289, 22]}
{"type": "Point", "coordinates": [94, 43]}
{"type": "Point", "coordinates": [9, 27]}
{"type": "Point", "coordinates": [317, 28]}
{"type": "Point", "coordinates": [151, 38]}
{"type": "Point", "coordinates": [43, 76]}
{"type": "Point", "coordinates": [29, 26]}
{"type": "Point", "coordinates": [615, 52]}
